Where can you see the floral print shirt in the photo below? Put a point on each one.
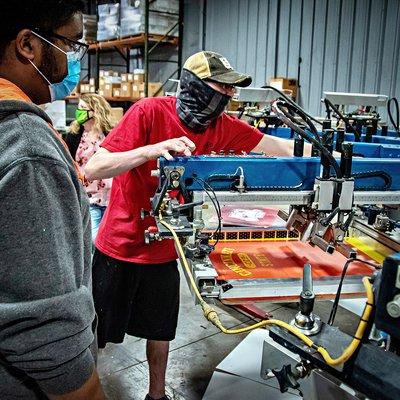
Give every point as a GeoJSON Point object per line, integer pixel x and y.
{"type": "Point", "coordinates": [98, 190]}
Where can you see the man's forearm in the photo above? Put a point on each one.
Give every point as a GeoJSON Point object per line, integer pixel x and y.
{"type": "Point", "coordinates": [279, 147]}
{"type": "Point", "coordinates": [90, 390]}
{"type": "Point", "coordinates": [107, 165]}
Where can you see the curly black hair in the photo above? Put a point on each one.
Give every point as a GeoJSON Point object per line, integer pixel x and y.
{"type": "Point", "coordinates": [44, 15]}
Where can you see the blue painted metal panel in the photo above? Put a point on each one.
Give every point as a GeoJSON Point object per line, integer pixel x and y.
{"type": "Point", "coordinates": [389, 133]}
{"type": "Point", "coordinates": [386, 140]}
{"type": "Point", "coordinates": [285, 133]}
{"type": "Point", "coordinates": [381, 146]}
{"type": "Point", "coordinates": [349, 137]}
{"type": "Point", "coordinates": [375, 150]}
{"type": "Point", "coordinates": [294, 173]}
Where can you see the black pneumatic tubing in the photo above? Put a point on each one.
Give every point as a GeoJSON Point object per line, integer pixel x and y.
{"type": "Point", "coordinates": [283, 116]}
{"type": "Point", "coordinates": [396, 123]}
{"type": "Point", "coordinates": [304, 117]}
{"type": "Point", "coordinates": [328, 103]}
{"type": "Point", "coordinates": [288, 99]}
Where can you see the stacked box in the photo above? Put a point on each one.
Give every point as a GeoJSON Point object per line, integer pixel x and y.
{"type": "Point", "coordinates": [117, 113]}
{"type": "Point", "coordinates": [87, 88]}
{"type": "Point", "coordinates": [108, 90]}
{"type": "Point", "coordinates": [133, 18]}
{"type": "Point", "coordinates": [132, 7]}
{"type": "Point", "coordinates": [171, 6]}
{"type": "Point", "coordinates": [89, 28]}
{"type": "Point", "coordinates": [137, 89]}
{"type": "Point", "coordinates": [108, 73]}
{"type": "Point", "coordinates": [158, 25]}
{"type": "Point", "coordinates": [138, 76]}
{"type": "Point", "coordinates": [154, 87]}
{"type": "Point", "coordinates": [126, 90]}
{"type": "Point", "coordinates": [108, 25]}
{"type": "Point", "coordinates": [285, 84]}
{"type": "Point", "coordinates": [108, 76]}
{"type": "Point", "coordinates": [127, 77]}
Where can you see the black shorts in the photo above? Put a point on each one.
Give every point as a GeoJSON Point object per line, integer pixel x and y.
{"type": "Point", "coordinates": [141, 300]}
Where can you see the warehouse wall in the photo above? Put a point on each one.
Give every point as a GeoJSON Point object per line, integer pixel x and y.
{"type": "Point", "coordinates": [336, 45]}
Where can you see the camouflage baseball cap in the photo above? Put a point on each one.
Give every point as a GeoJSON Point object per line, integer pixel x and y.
{"type": "Point", "coordinates": [211, 66]}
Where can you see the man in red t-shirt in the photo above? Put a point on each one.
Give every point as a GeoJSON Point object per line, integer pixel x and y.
{"type": "Point", "coordinates": [136, 285]}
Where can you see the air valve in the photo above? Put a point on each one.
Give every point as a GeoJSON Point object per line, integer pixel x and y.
{"type": "Point", "coordinates": [307, 322]}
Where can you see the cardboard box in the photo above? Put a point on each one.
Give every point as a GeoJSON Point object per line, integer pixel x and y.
{"type": "Point", "coordinates": [84, 88]}
{"type": "Point", "coordinates": [126, 89]}
{"type": "Point", "coordinates": [155, 87]}
{"type": "Point", "coordinates": [138, 78]}
{"type": "Point", "coordinates": [109, 72]}
{"type": "Point", "coordinates": [109, 88]}
{"type": "Point", "coordinates": [135, 92]}
{"type": "Point", "coordinates": [112, 79]}
{"type": "Point", "coordinates": [92, 81]}
{"type": "Point", "coordinates": [102, 82]}
{"type": "Point", "coordinates": [127, 77]}
{"type": "Point", "coordinates": [138, 87]}
{"type": "Point", "coordinates": [116, 92]}
{"type": "Point", "coordinates": [285, 83]}
{"type": "Point", "coordinates": [117, 113]}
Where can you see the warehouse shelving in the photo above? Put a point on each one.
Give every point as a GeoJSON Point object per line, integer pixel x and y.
{"type": "Point", "coordinates": [146, 42]}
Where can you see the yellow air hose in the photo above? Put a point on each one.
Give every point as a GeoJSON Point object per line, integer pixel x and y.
{"type": "Point", "coordinates": [213, 317]}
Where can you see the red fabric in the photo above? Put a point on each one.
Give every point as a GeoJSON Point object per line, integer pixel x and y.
{"type": "Point", "coordinates": [280, 260]}
{"type": "Point", "coordinates": [152, 120]}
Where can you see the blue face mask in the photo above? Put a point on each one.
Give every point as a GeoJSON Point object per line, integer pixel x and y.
{"type": "Point", "coordinates": [59, 91]}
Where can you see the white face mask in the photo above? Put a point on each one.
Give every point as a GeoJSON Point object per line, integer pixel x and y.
{"type": "Point", "coordinates": [59, 91]}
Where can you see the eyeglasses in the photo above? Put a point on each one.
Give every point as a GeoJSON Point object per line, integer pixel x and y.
{"type": "Point", "coordinates": [77, 47]}
{"type": "Point", "coordinates": [227, 87]}
{"type": "Point", "coordinates": [224, 88]}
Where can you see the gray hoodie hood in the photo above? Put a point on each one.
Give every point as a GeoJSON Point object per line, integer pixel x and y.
{"type": "Point", "coordinates": [46, 306]}
{"type": "Point", "coordinates": [8, 107]}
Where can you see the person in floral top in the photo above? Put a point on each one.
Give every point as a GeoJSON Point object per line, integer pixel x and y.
{"type": "Point", "coordinates": [94, 116]}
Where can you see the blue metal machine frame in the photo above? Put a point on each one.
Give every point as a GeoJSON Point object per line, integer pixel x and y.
{"type": "Point", "coordinates": [265, 173]}
{"type": "Point", "coordinates": [380, 147]}
{"type": "Point", "coordinates": [286, 133]}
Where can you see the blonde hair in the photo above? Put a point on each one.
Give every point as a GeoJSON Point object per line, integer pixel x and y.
{"type": "Point", "coordinates": [103, 120]}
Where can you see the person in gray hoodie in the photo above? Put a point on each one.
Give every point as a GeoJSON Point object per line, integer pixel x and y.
{"type": "Point", "coordinates": [46, 307]}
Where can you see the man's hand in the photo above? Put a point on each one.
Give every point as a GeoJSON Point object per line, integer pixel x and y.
{"type": "Point", "coordinates": [105, 164]}
{"type": "Point", "coordinates": [169, 148]}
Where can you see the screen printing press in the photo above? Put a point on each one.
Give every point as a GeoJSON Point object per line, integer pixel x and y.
{"type": "Point", "coordinates": [254, 228]}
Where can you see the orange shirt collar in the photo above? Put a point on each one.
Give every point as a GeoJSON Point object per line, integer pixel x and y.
{"type": "Point", "coordinates": [10, 91]}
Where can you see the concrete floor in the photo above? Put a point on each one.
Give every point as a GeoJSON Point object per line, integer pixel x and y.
{"type": "Point", "coordinates": [198, 348]}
